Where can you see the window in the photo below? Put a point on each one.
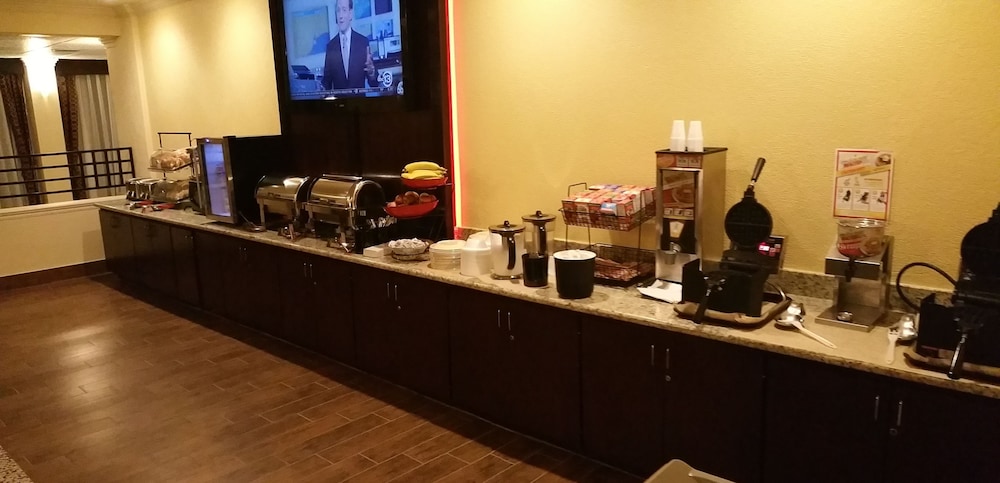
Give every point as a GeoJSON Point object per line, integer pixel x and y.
{"type": "Point", "coordinates": [17, 178]}
{"type": "Point", "coordinates": [88, 124]}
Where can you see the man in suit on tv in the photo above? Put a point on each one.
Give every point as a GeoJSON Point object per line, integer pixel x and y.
{"type": "Point", "coordinates": [348, 59]}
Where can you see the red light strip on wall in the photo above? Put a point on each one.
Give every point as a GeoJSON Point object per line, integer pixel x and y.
{"type": "Point", "coordinates": [456, 159]}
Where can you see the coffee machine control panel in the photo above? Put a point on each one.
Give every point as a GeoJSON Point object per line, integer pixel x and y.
{"type": "Point", "coordinates": [770, 254]}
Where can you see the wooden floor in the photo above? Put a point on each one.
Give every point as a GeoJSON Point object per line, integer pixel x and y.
{"type": "Point", "coordinates": [98, 385]}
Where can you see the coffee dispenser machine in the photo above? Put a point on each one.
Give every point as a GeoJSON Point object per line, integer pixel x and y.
{"type": "Point", "coordinates": [538, 239]}
{"type": "Point", "coordinates": [690, 206]}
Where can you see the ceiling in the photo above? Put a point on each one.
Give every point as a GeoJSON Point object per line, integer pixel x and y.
{"type": "Point", "coordinates": [12, 45]}
{"type": "Point", "coordinates": [63, 47]}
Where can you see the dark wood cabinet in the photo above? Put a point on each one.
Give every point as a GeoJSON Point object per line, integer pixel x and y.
{"type": "Point", "coordinates": [154, 258]}
{"type": "Point", "coordinates": [316, 304]}
{"type": "Point", "coordinates": [213, 254]}
{"type": "Point", "coordinates": [822, 423]}
{"type": "Point", "coordinates": [825, 423]}
{"type": "Point", "coordinates": [249, 286]}
{"type": "Point", "coordinates": [941, 435]}
{"type": "Point", "coordinates": [517, 363]}
{"type": "Point", "coordinates": [185, 266]}
{"type": "Point", "coordinates": [401, 329]}
{"type": "Point", "coordinates": [237, 280]}
{"type": "Point", "coordinates": [119, 251]}
{"type": "Point", "coordinates": [623, 380]}
{"type": "Point", "coordinates": [650, 396]}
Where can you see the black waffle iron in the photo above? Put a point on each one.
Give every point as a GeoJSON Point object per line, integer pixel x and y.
{"type": "Point", "coordinates": [969, 329]}
{"type": "Point", "coordinates": [738, 285]}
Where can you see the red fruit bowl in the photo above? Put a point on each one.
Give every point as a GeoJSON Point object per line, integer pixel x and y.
{"type": "Point", "coordinates": [424, 183]}
{"type": "Point", "coordinates": [410, 211]}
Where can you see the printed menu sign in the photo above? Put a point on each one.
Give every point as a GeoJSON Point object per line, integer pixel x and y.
{"type": "Point", "coordinates": [863, 183]}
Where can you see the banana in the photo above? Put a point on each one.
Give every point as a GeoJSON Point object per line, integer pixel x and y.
{"type": "Point", "coordinates": [422, 165]}
{"type": "Point", "coordinates": [423, 174]}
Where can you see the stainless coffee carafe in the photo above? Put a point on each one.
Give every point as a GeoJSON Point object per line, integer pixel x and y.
{"type": "Point", "coordinates": [537, 241]}
{"type": "Point", "coordinates": [507, 245]}
{"type": "Point", "coordinates": [538, 237]}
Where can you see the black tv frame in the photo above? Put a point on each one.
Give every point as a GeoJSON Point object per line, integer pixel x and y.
{"type": "Point", "coordinates": [409, 100]}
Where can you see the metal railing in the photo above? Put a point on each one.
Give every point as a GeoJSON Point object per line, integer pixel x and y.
{"type": "Point", "coordinates": [82, 166]}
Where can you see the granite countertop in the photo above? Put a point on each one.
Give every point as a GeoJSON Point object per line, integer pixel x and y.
{"type": "Point", "coordinates": [863, 351]}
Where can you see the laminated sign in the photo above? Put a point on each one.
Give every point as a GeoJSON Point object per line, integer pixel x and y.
{"type": "Point", "coordinates": [863, 183]}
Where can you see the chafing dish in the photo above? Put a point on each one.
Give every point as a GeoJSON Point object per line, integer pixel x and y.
{"type": "Point", "coordinates": [351, 203]}
{"type": "Point", "coordinates": [281, 197]}
{"type": "Point", "coordinates": [140, 189]}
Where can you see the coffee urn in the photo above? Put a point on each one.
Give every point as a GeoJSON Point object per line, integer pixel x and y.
{"type": "Point", "coordinates": [507, 246]}
{"type": "Point", "coordinates": [690, 208]}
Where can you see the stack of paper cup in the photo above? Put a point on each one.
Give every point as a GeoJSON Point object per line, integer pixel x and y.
{"type": "Point", "coordinates": [695, 139]}
{"type": "Point", "coordinates": [677, 137]}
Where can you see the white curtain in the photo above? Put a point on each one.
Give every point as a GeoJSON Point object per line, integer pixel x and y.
{"type": "Point", "coordinates": [7, 149]}
{"type": "Point", "coordinates": [97, 131]}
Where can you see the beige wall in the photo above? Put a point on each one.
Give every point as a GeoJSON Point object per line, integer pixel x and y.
{"type": "Point", "coordinates": [51, 238]}
{"type": "Point", "coordinates": [556, 92]}
{"type": "Point", "coordinates": [209, 68]}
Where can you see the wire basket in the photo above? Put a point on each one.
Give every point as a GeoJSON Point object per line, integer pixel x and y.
{"type": "Point", "coordinates": [607, 221]}
{"type": "Point", "coordinates": [622, 266]}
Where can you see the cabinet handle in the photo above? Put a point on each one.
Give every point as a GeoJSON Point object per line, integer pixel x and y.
{"type": "Point", "coordinates": [508, 322]}
{"type": "Point", "coordinates": [666, 359]}
{"type": "Point", "coordinates": [395, 292]}
{"type": "Point", "coordinates": [876, 407]}
{"type": "Point", "coordinates": [652, 355]}
{"type": "Point", "coordinates": [388, 295]}
{"type": "Point", "coordinates": [311, 271]}
{"type": "Point", "coordinates": [899, 414]}
{"type": "Point", "coordinates": [498, 319]}
{"type": "Point", "coordinates": [304, 274]}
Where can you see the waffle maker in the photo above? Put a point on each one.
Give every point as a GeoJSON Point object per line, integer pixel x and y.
{"type": "Point", "coordinates": [967, 331]}
{"type": "Point", "coordinates": [738, 285]}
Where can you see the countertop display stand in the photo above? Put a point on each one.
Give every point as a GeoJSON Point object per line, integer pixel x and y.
{"type": "Point", "coordinates": [618, 266]}
{"type": "Point", "coordinates": [163, 171]}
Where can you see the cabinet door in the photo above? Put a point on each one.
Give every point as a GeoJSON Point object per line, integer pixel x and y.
{"type": "Point", "coordinates": [216, 256]}
{"type": "Point", "coordinates": [622, 388]}
{"type": "Point", "coordinates": [184, 264]}
{"type": "Point", "coordinates": [822, 423]}
{"type": "Point", "coordinates": [154, 256]}
{"type": "Point", "coordinates": [479, 348]}
{"type": "Point", "coordinates": [374, 308]}
{"type": "Point", "coordinates": [119, 251]}
{"type": "Point", "coordinates": [298, 324]}
{"type": "Point", "coordinates": [259, 305]}
{"type": "Point", "coordinates": [714, 406]}
{"type": "Point", "coordinates": [420, 335]}
{"type": "Point", "coordinates": [942, 435]}
{"type": "Point", "coordinates": [332, 308]}
{"type": "Point", "coordinates": [543, 367]}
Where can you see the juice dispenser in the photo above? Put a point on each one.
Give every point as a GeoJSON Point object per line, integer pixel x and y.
{"type": "Point", "coordinates": [690, 209]}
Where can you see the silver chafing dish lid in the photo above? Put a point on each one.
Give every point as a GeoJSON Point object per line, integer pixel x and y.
{"type": "Point", "coordinates": [346, 192]}
{"type": "Point", "coordinates": [290, 189]}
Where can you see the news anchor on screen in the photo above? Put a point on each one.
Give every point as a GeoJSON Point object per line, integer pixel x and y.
{"type": "Point", "coordinates": [348, 59]}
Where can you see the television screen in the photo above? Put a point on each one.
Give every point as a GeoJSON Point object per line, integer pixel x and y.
{"type": "Point", "coordinates": [343, 48]}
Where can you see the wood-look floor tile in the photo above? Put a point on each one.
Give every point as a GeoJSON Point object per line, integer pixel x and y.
{"type": "Point", "coordinates": [450, 440]}
{"type": "Point", "coordinates": [342, 470]}
{"type": "Point", "coordinates": [527, 470]}
{"type": "Point", "coordinates": [433, 470]}
{"type": "Point", "coordinates": [371, 438]}
{"type": "Point", "coordinates": [483, 445]}
{"type": "Point", "coordinates": [479, 471]}
{"type": "Point", "coordinates": [98, 385]}
{"type": "Point", "coordinates": [341, 433]}
{"type": "Point", "coordinates": [387, 470]}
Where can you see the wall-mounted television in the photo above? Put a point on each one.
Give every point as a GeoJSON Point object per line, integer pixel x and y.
{"type": "Point", "coordinates": [343, 50]}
